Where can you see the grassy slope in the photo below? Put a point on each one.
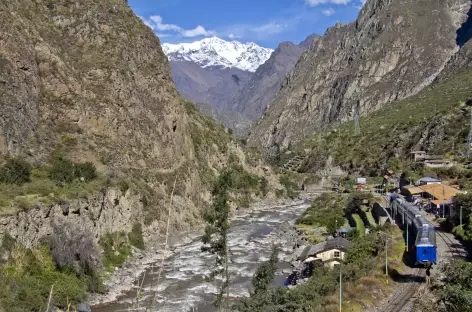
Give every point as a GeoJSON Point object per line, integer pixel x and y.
{"type": "Point", "coordinates": [432, 117]}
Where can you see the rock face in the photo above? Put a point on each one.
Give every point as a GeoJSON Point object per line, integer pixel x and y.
{"type": "Point", "coordinates": [107, 212]}
{"type": "Point", "coordinates": [215, 86]}
{"type": "Point", "coordinates": [266, 81]}
{"type": "Point", "coordinates": [92, 71]}
{"type": "Point", "coordinates": [393, 50]}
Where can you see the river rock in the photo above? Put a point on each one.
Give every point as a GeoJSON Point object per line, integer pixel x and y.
{"type": "Point", "coordinates": [83, 307]}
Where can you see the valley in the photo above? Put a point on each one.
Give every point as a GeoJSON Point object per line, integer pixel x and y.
{"type": "Point", "coordinates": [208, 160]}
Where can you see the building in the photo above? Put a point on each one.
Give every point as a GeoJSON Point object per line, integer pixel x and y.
{"type": "Point", "coordinates": [441, 196]}
{"type": "Point", "coordinates": [438, 163]}
{"type": "Point", "coordinates": [428, 180]}
{"type": "Point", "coordinates": [418, 156]}
{"type": "Point", "coordinates": [330, 252]}
{"type": "Point", "coordinates": [432, 161]}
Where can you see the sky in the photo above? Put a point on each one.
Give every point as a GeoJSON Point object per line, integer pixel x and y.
{"type": "Point", "coordinates": [265, 22]}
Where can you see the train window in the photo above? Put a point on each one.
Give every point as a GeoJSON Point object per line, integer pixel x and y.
{"type": "Point", "coordinates": [425, 251]}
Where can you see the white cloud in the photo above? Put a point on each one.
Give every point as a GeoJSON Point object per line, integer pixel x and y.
{"type": "Point", "coordinates": [314, 3]}
{"type": "Point", "coordinates": [328, 12]}
{"type": "Point", "coordinates": [198, 31]}
{"type": "Point", "coordinates": [156, 23]}
{"type": "Point", "coordinates": [363, 2]}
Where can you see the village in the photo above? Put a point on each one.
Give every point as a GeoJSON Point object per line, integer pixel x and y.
{"type": "Point", "coordinates": [431, 195]}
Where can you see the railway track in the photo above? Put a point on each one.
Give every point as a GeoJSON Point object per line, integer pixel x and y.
{"type": "Point", "coordinates": [401, 298]}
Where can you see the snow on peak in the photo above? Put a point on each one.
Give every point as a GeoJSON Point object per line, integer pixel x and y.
{"type": "Point", "coordinates": [218, 52]}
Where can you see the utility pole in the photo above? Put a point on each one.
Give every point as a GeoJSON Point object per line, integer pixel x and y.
{"type": "Point", "coordinates": [469, 139]}
{"type": "Point", "coordinates": [357, 129]}
{"type": "Point", "coordinates": [386, 261]}
{"type": "Point", "coordinates": [340, 289]}
{"type": "Point", "coordinates": [407, 235]}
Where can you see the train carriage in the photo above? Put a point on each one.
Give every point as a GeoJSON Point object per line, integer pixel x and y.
{"type": "Point", "coordinates": [423, 231]}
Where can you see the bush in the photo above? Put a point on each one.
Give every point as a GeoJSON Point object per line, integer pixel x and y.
{"type": "Point", "coordinates": [136, 236]}
{"type": "Point", "coordinates": [85, 170]}
{"type": "Point", "coordinates": [115, 249]}
{"type": "Point", "coordinates": [27, 279]}
{"type": "Point", "coordinates": [61, 170]}
{"type": "Point", "coordinates": [15, 171]}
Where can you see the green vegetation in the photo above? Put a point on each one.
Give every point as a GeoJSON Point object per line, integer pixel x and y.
{"type": "Point", "coordinates": [27, 279]}
{"type": "Point", "coordinates": [15, 171]}
{"type": "Point", "coordinates": [396, 129]}
{"type": "Point", "coordinates": [461, 202]}
{"type": "Point", "coordinates": [326, 210]}
{"type": "Point", "coordinates": [359, 224]}
{"type": "Point", "coordinates": [64, 262]}
{"type": "Point", "coordinates": [456, 292]}
{"type": "Point", "coordinates": [362, 271]}
{"type": "Point", "coordinates": [116, 249]}
{"type": "Point", "coordinates": [265, 273]}
{"type": "Point", "coordinates": [22, 185]}
{"type": "Point", "coordinates": [135, 237]}
{"type": "Point", "coordinates": [291, 187]}
{"type": "Point", "coordinates": [215, 239]}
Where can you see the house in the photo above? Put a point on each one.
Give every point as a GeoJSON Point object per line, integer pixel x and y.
{"type": "Point", "coordinates": [428, 180]}
{"type": "Point", "coordinates": [330, 252]}
{"type": "Point", "coordinates": [438, 163]}
{"type": "Point", "coordinates": [418, 156]}
{"type": "Point", "coordinates": [411, 192]}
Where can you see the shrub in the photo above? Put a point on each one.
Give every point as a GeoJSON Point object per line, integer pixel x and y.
{"type": "Point", "coordinates": [136, 236]}
{"type": "Point", "coordinates": [115, 249]}
{"type": "Point", "coordinates": [61, 170]}
{"type": "Point", "coordinates": [85, 170]}
{"type": "Point", "coordinates": [15, 171]}
{"type": "Point", "coordinates": [27, 279]}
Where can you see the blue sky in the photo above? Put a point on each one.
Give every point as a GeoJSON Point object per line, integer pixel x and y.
{"type": "Point", "coordinates": [265, 22]}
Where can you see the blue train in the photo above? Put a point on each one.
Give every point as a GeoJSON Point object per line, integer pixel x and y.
{"type": "Point", "coordinates": [417, 227]}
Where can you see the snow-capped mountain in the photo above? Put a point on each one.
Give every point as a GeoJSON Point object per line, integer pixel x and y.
{"type": "Point", "coordinates": [218, 52]}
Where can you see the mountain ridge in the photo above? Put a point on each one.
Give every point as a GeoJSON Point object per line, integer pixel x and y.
{"type": "Point", "coordinates": [216, 52]}
{"type": "Point", "coordinates": [385, 55]}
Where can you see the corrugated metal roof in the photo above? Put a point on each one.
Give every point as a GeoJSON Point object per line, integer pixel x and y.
{"type": "Point", "coordinates": [415, 190]}
{"type": "Point", "coordinates": [440, 191]}
{"type": "Point", "coordinates": [429, 179]}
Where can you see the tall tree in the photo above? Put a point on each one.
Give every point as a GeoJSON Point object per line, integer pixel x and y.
{"type": "Point", "coordinates": [215, 238]}
{"type": "Point", "coordinates": [265, 273]}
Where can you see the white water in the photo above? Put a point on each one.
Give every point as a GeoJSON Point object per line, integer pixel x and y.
{"type": "Point", "coordinates": [182, 286]}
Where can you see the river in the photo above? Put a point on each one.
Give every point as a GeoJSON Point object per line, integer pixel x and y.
{"type": "Point", "coordinates": [182, 285]}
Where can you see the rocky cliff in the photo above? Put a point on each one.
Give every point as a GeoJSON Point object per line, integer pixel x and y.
{"type": "Point", "coordinates": [89, 80]}
{"type": "Point", "coordinates": [393, 50]}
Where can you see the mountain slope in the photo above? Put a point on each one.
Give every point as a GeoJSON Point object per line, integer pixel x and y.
{"type": "Point", "coordinates": [211, 52]}
{"type": "Point", "coordinates": [260, 91]}
{"type": "Point", "coordinates": [89, 82]}
{"type": "Point", "coordinates": [393, 50]}
{"type": "Point", "coordinates": [214, 86]}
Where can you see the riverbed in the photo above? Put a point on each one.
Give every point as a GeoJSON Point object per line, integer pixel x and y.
{"type": "Point", "coordinates": [182, 285]}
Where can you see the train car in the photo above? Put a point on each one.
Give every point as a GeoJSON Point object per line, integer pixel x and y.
{"type": "Point", "coordinates": [419, 227]}
{"type": "Point", "coordinates": [425, 246]}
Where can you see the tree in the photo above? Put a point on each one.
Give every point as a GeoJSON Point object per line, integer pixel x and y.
{"type": "Point", "coordinates": [15, 171]}
{"type": "Point", "coordinates": [215, 238]}
{"type": "Point", "coordinates": [457, 290]}
{"type": "Point", "coordinates": [265, 273]}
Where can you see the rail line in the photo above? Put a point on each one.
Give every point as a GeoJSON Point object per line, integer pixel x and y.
{"type": "Point", "coordinates": [400, 299]}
